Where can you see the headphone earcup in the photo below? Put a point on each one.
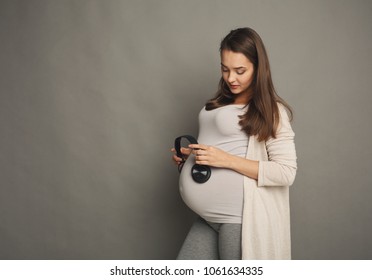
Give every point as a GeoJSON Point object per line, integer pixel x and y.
{"type": "Point", "coordinates": [200, 173]}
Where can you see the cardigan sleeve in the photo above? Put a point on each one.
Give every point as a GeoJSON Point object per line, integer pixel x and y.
{"type": "Point", "coordinates": [281, 166]}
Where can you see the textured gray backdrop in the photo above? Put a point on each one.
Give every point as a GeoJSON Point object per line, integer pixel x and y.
{"type": "Point", "coordinates": [92, 94]}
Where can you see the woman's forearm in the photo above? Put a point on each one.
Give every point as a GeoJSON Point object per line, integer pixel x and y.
{"type": "Point", "coordinates": [243, 166]}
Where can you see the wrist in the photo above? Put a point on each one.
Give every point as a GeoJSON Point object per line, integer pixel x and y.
{"type": "Point", "coordinates": [229, 162]}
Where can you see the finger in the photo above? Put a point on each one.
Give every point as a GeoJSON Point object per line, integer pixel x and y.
{"type": "Point", "coordinates": [176, 158]}
{"type": "Point", "coordinates": [198, 146]}
{"type": "Point", "coordinates": [196, 152]}
{"type": "Point", "coordinates": [199, 152]}
{"type": "Point", "coordinates": [201, 158]}
{"type": "Point", "coordinates": [202, 162]}
{"type": "Point", "coordinates": [194, 146]}
{"type": "Point", "coordinates": [186, 151]}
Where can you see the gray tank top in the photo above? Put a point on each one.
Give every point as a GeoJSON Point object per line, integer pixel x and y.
{"type": "Point", "coordinates": [220, 199]}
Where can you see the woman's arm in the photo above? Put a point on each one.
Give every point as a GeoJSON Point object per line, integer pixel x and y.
{"type": "Point", "coordinates": [281, 167]}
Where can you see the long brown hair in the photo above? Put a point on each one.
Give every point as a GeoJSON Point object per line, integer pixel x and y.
{"type": "Point", "coordinates": [262, 116]}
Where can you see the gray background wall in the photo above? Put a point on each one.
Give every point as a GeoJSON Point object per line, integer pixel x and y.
{"type": "Point", "coordinates": [92, 94]}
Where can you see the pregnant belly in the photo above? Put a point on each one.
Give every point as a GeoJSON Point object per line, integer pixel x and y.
{"type": "Point", "coordinates": [219, 200]}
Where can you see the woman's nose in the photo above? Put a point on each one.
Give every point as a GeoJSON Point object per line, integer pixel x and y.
{"type": "Point", "coordinates": [231, 78]}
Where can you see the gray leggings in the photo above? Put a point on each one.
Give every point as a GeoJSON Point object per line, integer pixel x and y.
{"type": "Point", "coordinates": [212, 241]}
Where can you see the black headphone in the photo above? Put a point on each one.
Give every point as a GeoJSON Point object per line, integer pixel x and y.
{"type": "Point", "coordinates": [200, 173]}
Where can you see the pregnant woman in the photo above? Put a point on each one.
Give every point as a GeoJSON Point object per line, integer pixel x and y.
{"type": "Point", "coordinates": [245, 137]}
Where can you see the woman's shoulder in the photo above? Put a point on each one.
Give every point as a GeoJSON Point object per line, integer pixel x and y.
{"type": "Point", "coordinates": [285, 117]}
{"type": "Point", "coordinates": [284, 112]}
{"type": "Point", "coordinates": [281, 107]}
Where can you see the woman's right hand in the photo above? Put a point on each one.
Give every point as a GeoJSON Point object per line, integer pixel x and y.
{"type": "Point", "coordinates": [177, 160]}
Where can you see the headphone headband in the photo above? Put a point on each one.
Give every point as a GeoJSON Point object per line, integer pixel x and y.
{"type": "Point", "coordinates": [177, 143]}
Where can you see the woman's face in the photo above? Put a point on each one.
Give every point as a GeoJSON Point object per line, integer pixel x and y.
{"type": "Point", "coordinates": [237, 71]}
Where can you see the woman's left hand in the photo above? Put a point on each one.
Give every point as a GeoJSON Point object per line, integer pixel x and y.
{"type": "Point", "coordinates": [209, 155]}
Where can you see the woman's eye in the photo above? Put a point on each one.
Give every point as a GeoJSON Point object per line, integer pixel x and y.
{"type": "Point", "coordinates": [224, 70]}
{"type": "Point", "coordinates": [240, 72]}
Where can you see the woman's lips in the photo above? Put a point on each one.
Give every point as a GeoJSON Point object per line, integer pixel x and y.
{"type": "Point", "coordinates": [234, 86]}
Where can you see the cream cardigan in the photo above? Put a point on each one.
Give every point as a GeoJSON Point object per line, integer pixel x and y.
{"type": "Point", "coordinates": [266, 218]}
